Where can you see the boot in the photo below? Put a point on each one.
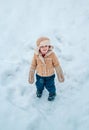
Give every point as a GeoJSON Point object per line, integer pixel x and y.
{"type": "Point", "coordinates": [38, 94]}
{"type": "Point", "coordinates": [51, 96]}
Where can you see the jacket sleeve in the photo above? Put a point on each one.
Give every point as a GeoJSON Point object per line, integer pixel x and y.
{"type": "Point", "coordinates": [58, 68]}
{"type": "Point", "coordinates": [34, 63]}
{"type": "Point", "coordinates": [32, 70]}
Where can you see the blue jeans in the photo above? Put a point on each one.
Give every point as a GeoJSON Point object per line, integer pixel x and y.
{"type": "Point", "coordinates": [47, 82]}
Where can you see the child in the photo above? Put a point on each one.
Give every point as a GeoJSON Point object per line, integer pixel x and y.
{"type": "Point", "coordinates": [44, 63]}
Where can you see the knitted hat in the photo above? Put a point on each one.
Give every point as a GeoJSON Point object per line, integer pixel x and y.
{"type": "Point", "coordinates": [42, 41]}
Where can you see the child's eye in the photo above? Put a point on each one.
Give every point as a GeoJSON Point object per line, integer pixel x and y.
{"type": "Point", "coordinates": [42, 46]}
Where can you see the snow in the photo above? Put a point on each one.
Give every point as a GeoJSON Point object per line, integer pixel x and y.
{"type": "Point", "coordinates": [66, 23]}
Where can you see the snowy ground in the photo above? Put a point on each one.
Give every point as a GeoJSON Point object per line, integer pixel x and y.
{"type": "Point", "coordinates": [66, 23]}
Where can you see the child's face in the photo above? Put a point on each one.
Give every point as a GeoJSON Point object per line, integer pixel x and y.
{"type": "Point", "coordinates": [44, 49]}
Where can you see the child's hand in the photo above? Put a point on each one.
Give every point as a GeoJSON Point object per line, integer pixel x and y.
{"type": "Point", "coordinates": [31, 77]}
{"type": "Point", "coordinates": [61, 79]}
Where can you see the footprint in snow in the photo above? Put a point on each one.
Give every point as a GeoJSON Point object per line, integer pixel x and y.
{"type": "Point", "coordinates": [7, 78]}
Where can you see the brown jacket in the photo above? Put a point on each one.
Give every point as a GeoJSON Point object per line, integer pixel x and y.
{"type": "Point", "coordinates": [44, 66]}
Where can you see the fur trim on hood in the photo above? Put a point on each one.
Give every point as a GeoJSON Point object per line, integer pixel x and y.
{"type": "Point", "coordinates": [42, 42]}
{"type": "Point", "coordinates": [37, 52]}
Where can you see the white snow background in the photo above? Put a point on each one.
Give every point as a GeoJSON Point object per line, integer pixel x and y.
{"type": "Point", "coordinates": [66, 23]}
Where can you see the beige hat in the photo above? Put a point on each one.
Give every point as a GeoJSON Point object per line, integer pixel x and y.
{"type": "Point", "coordinates": [42, 41]}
